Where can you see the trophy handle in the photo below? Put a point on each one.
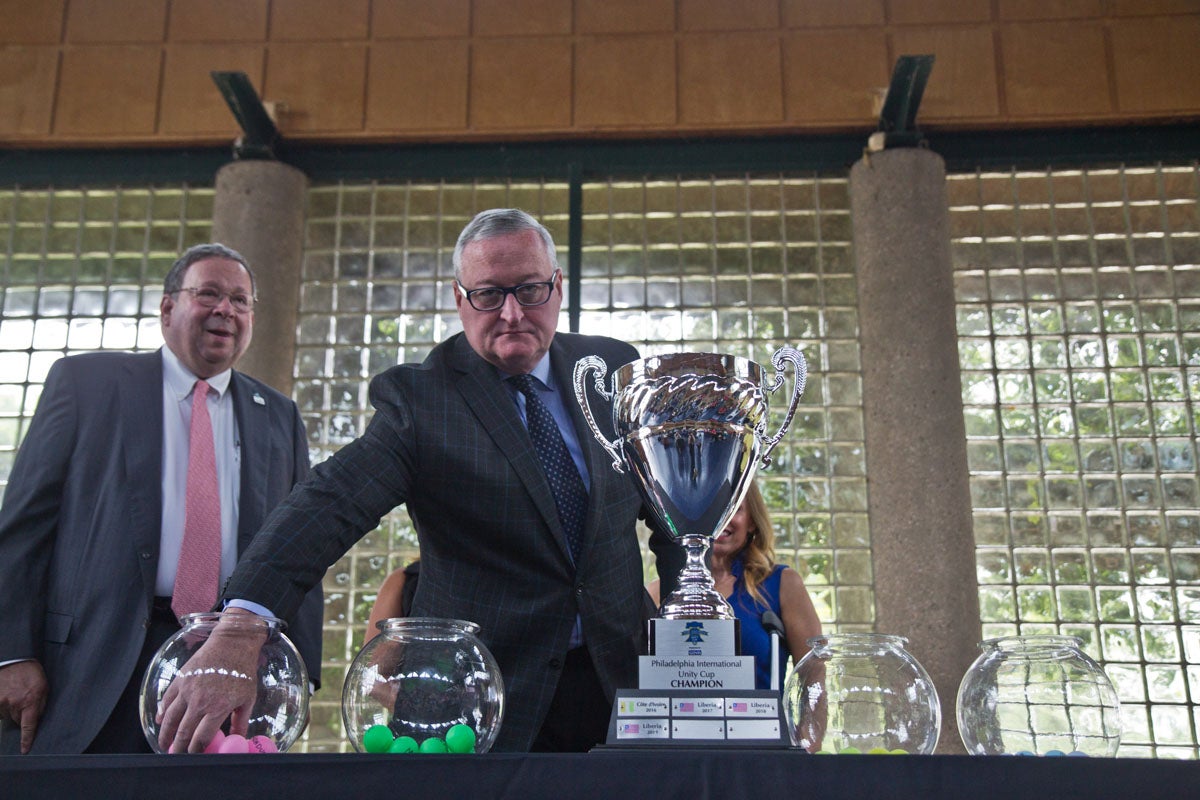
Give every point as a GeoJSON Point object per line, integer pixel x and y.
{"type": "Point", "coordinates": [582, 367]}
{"type": "Point", "coordinates": [800, 366]}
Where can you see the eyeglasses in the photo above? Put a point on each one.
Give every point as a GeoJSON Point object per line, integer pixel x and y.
{"type": "Point", "coordinates": [492, 298]}
{"type": "Point", "coordinates": [211, 298]}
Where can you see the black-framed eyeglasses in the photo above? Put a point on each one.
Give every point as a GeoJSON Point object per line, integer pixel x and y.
{"type": "Point", "coordinates": [492, 298]}
{"type": "Point", "coordinates": [211, 298]}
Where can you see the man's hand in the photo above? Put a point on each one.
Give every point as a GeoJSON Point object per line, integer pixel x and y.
{"type": "Point", "coordinates": [219, 681]}
{"type": "Point", "coordinates": [23, 693]}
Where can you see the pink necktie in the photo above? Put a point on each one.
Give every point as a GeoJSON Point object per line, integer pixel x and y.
{"type": "Point", "coordinates": [199, 568]}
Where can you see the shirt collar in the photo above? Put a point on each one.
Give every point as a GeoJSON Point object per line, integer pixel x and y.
{"type": "Point", "coordinates": [541, 371]}
{"type": "Point", "coordinates": [179, 379]}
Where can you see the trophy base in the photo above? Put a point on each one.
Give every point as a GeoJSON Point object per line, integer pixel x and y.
{"type": "Point", "coordinates": [698, 718]}
{"type": "Point", "coordinates": [694, 637]}
{"type": "Point", "coordinates": [694, 691]}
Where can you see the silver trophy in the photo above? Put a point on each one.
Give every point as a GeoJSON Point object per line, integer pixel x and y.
{"type": "Point", "coordinates": [692, 428]}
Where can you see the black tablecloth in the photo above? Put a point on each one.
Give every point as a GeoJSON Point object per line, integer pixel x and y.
{"type": "Point", "coordinates": [602, 775]}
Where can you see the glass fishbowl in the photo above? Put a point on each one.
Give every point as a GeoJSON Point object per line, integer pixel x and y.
{"type": "Point", "coordinates": [420, 685]}
{"type": "Point", "coordinates": [861, 693]}
{"type": "Point", "coordinates": [1038, 695]}
{"type": "Point", "coordinates": [279, 679]}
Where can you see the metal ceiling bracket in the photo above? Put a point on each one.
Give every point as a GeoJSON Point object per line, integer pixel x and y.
{"type": "Point", "coordinates": [259, 134]}
{"type": "Point", "coordinates": [897, 118]}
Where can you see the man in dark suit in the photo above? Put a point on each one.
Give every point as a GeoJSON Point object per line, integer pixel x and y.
{"type": "Point", "coordinates": [453, 438]}
{"type": "Point", "coordinates": [93, 520]}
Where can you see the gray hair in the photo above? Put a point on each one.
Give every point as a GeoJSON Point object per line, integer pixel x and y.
{"type": "Point", "coordinates": [174, 280]}
{"type": "Point", "coordinates": [498, 222]}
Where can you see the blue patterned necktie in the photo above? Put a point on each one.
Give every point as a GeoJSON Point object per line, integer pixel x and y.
{"type": "Point", "coordinates": [570, 495]}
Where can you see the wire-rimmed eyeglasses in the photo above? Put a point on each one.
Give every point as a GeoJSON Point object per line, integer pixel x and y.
{"type": "Point", "coordinates": [211, 298]}
{"type": "Point", "coordinates": [492, 298]}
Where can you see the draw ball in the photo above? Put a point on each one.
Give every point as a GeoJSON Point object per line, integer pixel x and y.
{"type": "Point", "coordinates": [214, 745]}
{"type": "Point", "coordinates": [460, 739]}
{"type": "Point", "coordinates": [403, 744]}
{"type": "Point", "coordinates": [377, 739]}
{"type": "Point", "coordinates": [262, 744]}
{"type": "Point", "coordinates": [234, 743]}
{"type": "Point", "coordinates": [433, 745]}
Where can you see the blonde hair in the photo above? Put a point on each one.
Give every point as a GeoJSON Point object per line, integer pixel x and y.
{"type": "Point", "coordinates": [758, 554]}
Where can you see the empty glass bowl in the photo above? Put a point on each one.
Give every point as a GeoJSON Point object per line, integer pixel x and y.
{"type": "Point", "coordinates": [861, 693]}
{"type": "Point", "coordinates": [280, 710]}
{"type": "Point", "coordinates": [1038, 695]}
{"type": "Point", "coordinates": [421, 677]}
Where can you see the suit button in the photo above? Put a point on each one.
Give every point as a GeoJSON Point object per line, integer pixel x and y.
{"type": "Point", "coordinates": [145, 554]}
{"type": "Point", "coordinates": [579, 590]}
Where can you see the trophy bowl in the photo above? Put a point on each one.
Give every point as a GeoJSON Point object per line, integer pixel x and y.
{"type": "Point", "coordinates": [691, 430]}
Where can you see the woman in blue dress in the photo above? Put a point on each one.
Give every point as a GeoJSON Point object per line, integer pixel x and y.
{"type": "Point", "coordinates": [742, 561]}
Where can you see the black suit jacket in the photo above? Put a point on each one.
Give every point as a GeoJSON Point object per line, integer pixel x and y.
{"type": "Point", "coordinates": [447, 439]}
{"type": "Point", "coordinates": [81, 522]}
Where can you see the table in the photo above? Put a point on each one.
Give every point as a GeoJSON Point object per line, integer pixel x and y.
{"type": "Point", "coordinates": [694, 774]}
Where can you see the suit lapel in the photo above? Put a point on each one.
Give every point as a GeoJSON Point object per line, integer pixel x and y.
{"type": "Point", "coordinates": [252, 416]}
{"type": "Point", "coordinates": [491, 403]}
{"type": "Point", "coordinates": [141, 393]}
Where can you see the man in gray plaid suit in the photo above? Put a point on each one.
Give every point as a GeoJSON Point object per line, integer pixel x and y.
{"type": "Point", "coordinates": [449, 438]}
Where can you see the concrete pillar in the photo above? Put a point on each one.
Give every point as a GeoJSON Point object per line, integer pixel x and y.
{"type": "Point", "coordinates": [259, 211]}
{"type": "Point", "coordinates": [922, 547]}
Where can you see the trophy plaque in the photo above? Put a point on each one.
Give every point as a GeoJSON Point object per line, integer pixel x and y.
{"type": "Point", "coordinates": [691, 430]}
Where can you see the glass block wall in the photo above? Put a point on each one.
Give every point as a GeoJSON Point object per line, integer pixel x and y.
{"type": "Point", "coordinates": [1079, 321]}
{"type": "Point", "coordinates": [83, 270]}
{"type": "Point", "coordinates": [738, 265]}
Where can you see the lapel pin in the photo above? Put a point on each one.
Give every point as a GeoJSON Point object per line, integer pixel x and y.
{"type": "Point", "coordinates": [258, 398]}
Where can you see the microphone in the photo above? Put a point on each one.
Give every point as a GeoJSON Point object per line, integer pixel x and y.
{"type": "Point", "coordinates": [774, 626]}
{"type": "Point", "coordinates": [772, 622]}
